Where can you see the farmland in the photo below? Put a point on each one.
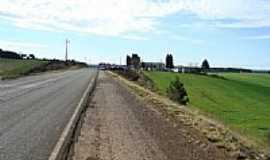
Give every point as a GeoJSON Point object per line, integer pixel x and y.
{"type": "Point", "coordinates": [240, 101]}
{"type": "Point", "coordinates": [12, 68]}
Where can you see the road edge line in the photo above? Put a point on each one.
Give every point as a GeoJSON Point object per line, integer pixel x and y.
{"type": "Point", "coordinates": [61, 149]}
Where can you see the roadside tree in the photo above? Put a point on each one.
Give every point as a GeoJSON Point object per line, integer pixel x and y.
{"type": "Point", "coordinates": [205, 66]}
{"type": "Point", "coordinates": [177, 92]}
{"type": "Point", "coordinates": [169, 61]}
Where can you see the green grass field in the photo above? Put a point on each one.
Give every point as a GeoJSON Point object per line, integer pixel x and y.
{"type": "Point", "coordinates": [10, 68]}
{"type": "Point", "coordinates": [241, 101]}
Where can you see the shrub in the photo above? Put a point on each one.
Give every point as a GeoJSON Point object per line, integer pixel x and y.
{"type": "Point", "coordinates": [177, 92]}
{"type": "Point", "coordinates": [129, 74]}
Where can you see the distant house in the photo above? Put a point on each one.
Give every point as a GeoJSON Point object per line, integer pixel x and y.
{"type": "Point", "coordinates": [185, 69]}
{"type": "Point", "coordinates": [153, 66]}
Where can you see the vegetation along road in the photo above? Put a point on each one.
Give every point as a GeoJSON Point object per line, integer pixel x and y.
{"type": "Point", "coordinates": [34, 111]}
{"type": "Point", "coordinates": [239, 100]}
{"type": "Point", "coordinates": [17, 67]}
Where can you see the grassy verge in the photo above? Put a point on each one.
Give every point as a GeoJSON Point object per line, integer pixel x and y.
{"type": "Point", "coordinates": [11, 68]}
{"type": "Point", "coordinates": [241, 101]}
{"type": "Point", "coordinates": [218, 134]}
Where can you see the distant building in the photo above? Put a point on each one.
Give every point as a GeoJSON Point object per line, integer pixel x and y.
{"type": "Point", "coordinates": [185, 69]}
{"type": "Point", "coordinates": [153, 66]}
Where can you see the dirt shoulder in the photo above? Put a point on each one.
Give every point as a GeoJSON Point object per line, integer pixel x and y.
{"type": "Point", "coordinates": [120, 126]}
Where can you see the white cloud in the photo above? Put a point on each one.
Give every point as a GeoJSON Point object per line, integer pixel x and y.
{"type": "Point", "coordinates": [119, 17]}
{"type": "Point", "coordinates": [103, 17]}
{"type": "Point", "coordinates": [20, 46]}
{"type": "Point", "coordinates": [262, 37]}
{"type": "Point", "coordinates": [244, 13]}
{"type": "Point", "coordinates": [230, 13]}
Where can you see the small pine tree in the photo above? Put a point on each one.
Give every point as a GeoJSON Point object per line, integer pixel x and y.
{"type": "Point", "coordinates": [169, 61]}
{"type": "Point", "coordinates": [177, 92]}
{"type": "Point", "coordinates": [136, 61]}
{"type": "Point", "coordinates": [205, 66]}
{"type": "Point", "coordinates": [128, 60]}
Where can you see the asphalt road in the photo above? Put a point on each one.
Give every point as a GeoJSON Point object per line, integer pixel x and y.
{"type": "Point", "coordinates": [34, 111]}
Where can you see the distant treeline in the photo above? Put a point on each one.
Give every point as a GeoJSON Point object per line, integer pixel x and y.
{"type": "Point", "coordinates": [231, 70]}
{"type": "Point", "coordinates": [52, 62]}
{"type": "Point", "coordinates": [15, 55]}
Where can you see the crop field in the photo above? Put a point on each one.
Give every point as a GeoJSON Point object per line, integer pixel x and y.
{"type": "Point", "coordinates": [13, 68]}
{"type": "Point", "coordinates": [239, 100]}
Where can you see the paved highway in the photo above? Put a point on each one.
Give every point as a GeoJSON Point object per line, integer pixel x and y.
{"type": "Point", "coordinates": [34, 111]}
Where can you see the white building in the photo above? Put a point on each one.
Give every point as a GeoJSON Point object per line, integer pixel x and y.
{"type": "Point", "coordinates": [153, 66]}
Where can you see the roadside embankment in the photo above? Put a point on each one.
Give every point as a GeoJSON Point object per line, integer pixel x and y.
{"type": "Point", "coordinates": [120, 125]}
{"type": "Point", "coordinates": [215, 133]}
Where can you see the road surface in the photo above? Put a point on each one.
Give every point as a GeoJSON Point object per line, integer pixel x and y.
{"type": "Point", "coordinates": [34, 111]}
{"type": "Point", "coordinates": [119, 126]}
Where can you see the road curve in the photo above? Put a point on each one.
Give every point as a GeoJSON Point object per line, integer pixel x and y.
{"type": "Point", "coordinates": [34, 111]}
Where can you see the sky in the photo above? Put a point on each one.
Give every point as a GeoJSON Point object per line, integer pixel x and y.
{"type": "Point", "coordinates": [229, 33]}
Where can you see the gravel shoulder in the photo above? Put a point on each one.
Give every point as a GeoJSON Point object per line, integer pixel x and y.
{"type": "Point", "coordinates": [118, 125]}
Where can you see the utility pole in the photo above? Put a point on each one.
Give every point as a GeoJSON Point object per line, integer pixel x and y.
{"type": "Point", "coordinates": [67, 43]}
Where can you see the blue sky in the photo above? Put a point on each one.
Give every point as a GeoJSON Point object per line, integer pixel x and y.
{"type": "Point", "coordinates": [229, 33]}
